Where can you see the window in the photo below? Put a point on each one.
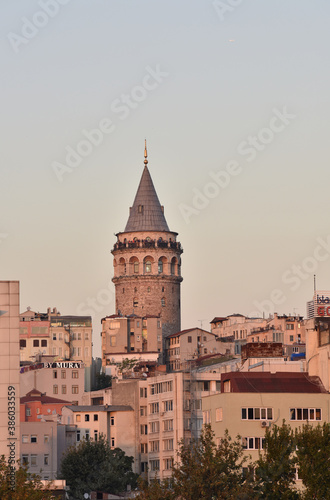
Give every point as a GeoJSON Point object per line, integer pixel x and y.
{"type": "Point", "coordinates": [46, 459]}
{"type": "Point", "coordinates": [54, 351]}
{"type": "Point", "coordinates": [253, 443]}
{"type": "Point", "coordinates": [144, 447]}
{"type": "Point", "coordinates": [46, 438]}
{"type": "Point", "coordinates": [63, 389]}
{"type": "Point", "coordinates": [75, 374]}
{"type": "Point", "coordinates": [22, 343]}
{"type": "Point", "coordinates": [168, 444]}
{"type": "Point", "coordinates": [79, 335]}
{"type": "Point", "coordinates": [54, 373]}
{"type": "Point", "coordinates": [291, 338]}
{"type": "Point", "coordinates": [168, 463]}
{"type": "Point", "coordinates": [168, 405]}
{"type": "Point", "coordinates": [143, 429]}
{"type": "Point", "coordinates": [28, 412]}
{"type": "Point", "coordinates": [86, 418]}
{"type": "Point", "coordinates": [63, 374]}
{"type": "Point", "coordinates": [305, 414]}
{"type": "Point", "coordinates": [168, 425]}
{"type": "Point", "coordinates": [207, 417]}
{"type": "Point", "coordinates": [54, 336]}
{"type": "Point", "coordinates": [144, 466]}
{"type": "Point", "coordinates": [78, 436]}
{"type": "Point", "coordinates": [257, 413]}
{"type": "Point", "coordinates": [79, 351]}
{"type": "Point", "coordinates": [33, 438]}
{"type": "Point", "coordinates": [143, 411]}
{"type": "Point", "coordinates": [36, 343]}
{"type": "Point", "coordinates": [189, 339]}
{"type": "Point", "coordinates": [153, 446]}
{"type": "Point", "coordinates": [160, 266]}
{"type": "Point", "coordinates": [163, 302]}
{"type": "Point", "coordinates": [113, 340]}
{"type": "Point", "coordinates": [154, 465]}
{"type": "Point", "coordinates": [112, 420]}
{"type": "Point", "coordinates": [143, 392]}
{"type": "Point", "coordinates": [87, 435]}
{"type": "Point", "coordinates": [148, 266]}
{"type": "Point", "coordinates": [43, 343]}
{"type": "Point", "coordinates": [55, 389]}
{"type": "Point", "coordinates": [25, 438]}
{"type": "Point", "coordinates": [95, 435]}
{"type": "Point", "coordinates": [25, 459]}
{"type": "Point", "coordinates": [96, 417]}
{"type": "Point", "coordinates": [78, 418]}
{"type": "Point", "coordinates": [154, 408]}
{"type": "Point", "coordinates": [33, 460]}
{"type": "Point", "coordinates": [75, 389]}
{"type": "Point", "coordinates": [218, 414]}
{"type": "Point", "coordinates": [136, 267]}
{"type": "Point", "coordinates": [60, 336]}
{"type": "Point", "coordinates": [290, 326]}
{"type": "Point", "coordinates": [154, 426]}
{"type": "Point", "coordinates": [135, 302]}
{"type": "Point", "coordinates": [86, 336]}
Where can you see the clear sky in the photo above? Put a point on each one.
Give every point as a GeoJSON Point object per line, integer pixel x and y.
{"type": "Point", "coordinates": [233, 98]}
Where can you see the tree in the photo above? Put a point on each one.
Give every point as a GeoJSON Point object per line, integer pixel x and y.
{"type": "Point", "coordinates": [93, 465]}
{"type": "Point", "coordinates": [155, 490]}
{"type": "Point", "coordinates": [313, 454]}
{"type": "Point", "coordinates": [276, 467]}
{"type": "Point", "coordinates": [210, 471]}
{"type": "Point", "coordinates": [24, 486]}
{"type": "Point", "coordinates": [102, 381]}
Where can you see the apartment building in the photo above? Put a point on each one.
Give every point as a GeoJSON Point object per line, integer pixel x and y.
{"type": "Point", "coordinates": [184, 346]}
{"type": "Point", "coordinates": [251, 402]}
{"type": "Point", "coordinates": [64, 379]}
{"type": "Point", "coordinates": [65, 337]}
{"type": "Point", "coordinates": [9, 371]}
{"type": "Point", "coordinates": [235, 325]}
{"type": "Point", "coordinates": [131, 334]}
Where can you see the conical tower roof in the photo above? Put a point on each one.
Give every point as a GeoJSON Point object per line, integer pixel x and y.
{"type": "Point", "coordinates": [146, 214]}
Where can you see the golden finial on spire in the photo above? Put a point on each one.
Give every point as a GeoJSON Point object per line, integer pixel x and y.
{"type": "Point", "coordinates": [145, 152]}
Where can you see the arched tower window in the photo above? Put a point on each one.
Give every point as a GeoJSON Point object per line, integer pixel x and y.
{"type": "Point", "coordinates": [134, 265]}
{"type": "Point", "coordinates": [173, 265]}
{"type": "Point", "coordinates": [160, 266]}
{"type": "Point", "coordinates": [122, 266]}
{"type": "Point", "coordinates": [163, 302]}
{"type": "Point", "coordinates": [147, 264]}
{"type": "Point", "coordinates": [135, 302]}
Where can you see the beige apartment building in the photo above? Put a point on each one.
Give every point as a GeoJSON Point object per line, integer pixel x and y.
{"type": "Point", "coordinates": [130, 334]}
{"type": "Point", "coordinates": [59, 379]}
{"type": "Point", "coordinates": [9, 372]}
{"type": "Point", "coordinates": [251, 402]}
{"type": "Point", "coordinates": [184, 346]}
{"type": "Point", "coordinates": [68, 338]}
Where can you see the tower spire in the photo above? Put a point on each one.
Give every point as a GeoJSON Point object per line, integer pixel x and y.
{"type": "Point", "coordinates": [145, 152]}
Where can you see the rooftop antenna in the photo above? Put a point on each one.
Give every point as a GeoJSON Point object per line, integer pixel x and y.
{"type": "Point", "coordinates": [201, 322]}
{"type": "Point", "coordinates": [314, 282]}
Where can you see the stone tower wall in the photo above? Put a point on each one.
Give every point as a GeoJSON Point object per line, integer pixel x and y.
{"type": "Point", "coordinates": [141, 286]}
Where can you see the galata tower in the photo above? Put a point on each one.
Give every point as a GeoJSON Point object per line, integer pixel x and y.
{"type": "Point", "coordinates": [147, 261]}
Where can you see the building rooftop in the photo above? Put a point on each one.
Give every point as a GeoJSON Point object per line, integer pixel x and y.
{"type": "Point", "coordinates": [108, 408]}
{"type": "Point", "coordinates": [284, 382]}
{"type": "Point", "coordinates": [146, 214]}
{"type": "Point", "coordinates": [178, 334]}
{"type": "Point", "coordinates": [36, 395]}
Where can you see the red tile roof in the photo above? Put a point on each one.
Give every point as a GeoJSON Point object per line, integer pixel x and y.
{"type": "Point", "coordinates": [36, 395]}
{"type": "Point", "coordinates": [273, 382]}
{"type": "Point", "coordinates": [189, 330]}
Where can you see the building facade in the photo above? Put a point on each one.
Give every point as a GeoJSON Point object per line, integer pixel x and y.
{"type": "Point", "coordinates": [64, 337]}
{"type": "Point", "coordinates": [147, 261]}
{"type": "Point", "coordinates": [9, 372]}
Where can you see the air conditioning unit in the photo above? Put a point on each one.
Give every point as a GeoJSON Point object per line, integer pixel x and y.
{"type": "Point", "coordinates": [265, 423]}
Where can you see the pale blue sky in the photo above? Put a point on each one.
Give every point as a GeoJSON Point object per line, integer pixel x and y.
{"type": "Point", "coordinates": [55, 237]}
